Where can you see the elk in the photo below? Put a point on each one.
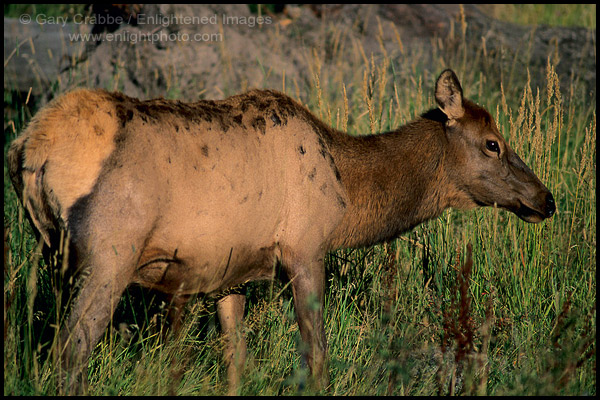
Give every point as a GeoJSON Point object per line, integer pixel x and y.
{"type": "Point", "coordinates": [199, 197]}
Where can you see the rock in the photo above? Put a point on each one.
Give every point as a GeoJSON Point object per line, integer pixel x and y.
{"type": "Point", "coordinates": [212, 51]}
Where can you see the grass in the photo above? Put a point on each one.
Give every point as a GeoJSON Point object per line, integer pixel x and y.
{"type": "Point", "coordinates": [47, 10]}
{"type": "Point", "coordinates": [545, 14]}
{"type": "Point", "coordinates": [469, 303]}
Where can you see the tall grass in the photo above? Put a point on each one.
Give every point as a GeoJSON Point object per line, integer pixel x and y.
{"type": "Point", "coordinates": [469, 303]}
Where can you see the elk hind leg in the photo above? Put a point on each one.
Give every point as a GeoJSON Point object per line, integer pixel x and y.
{"type": "Point", "coordinates": [101, 286]}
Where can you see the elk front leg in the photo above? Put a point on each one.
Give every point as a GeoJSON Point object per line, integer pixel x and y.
{"type": "Point", "coordinates": [230, 310]}
{"type": "Point", "coordinates": [308, 282]}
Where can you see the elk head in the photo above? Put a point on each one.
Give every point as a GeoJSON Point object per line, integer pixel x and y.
{"type": "Point", "coordinates": [483, 168]}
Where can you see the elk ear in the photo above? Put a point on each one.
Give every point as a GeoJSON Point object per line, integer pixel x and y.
{"type": "Point", "coordinates": [448, 95]}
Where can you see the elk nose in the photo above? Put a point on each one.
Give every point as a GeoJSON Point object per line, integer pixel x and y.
{"type": "Point", "coordinates": [550, 205]}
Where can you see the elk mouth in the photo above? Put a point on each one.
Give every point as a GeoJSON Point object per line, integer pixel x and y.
{"type": "Point", "coordinates": [524, 212]}
{"type": "Point", "coordinates": [529, 214]}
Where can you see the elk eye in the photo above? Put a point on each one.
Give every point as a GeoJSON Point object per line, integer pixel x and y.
{"type": "Point", "coordinates": [492, 145]}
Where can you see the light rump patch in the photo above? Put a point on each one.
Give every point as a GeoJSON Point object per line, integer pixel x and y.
{"type": "Point", "coordinates": [62, 151]}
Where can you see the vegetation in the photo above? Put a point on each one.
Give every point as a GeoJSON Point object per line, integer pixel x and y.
{"type": "Point", "coordinates": [49, 10]}
{"type": "Point", "coordinates": [473, 302]}
{"type": "Point", "coordinates": [545, 14]}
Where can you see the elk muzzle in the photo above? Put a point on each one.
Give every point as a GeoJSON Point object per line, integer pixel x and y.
{"type": "Point", "coordinates": [534, 214]}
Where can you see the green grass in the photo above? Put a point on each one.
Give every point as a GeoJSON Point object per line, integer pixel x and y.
{"type": "Point", "coordinates": [406, 318]}
{"type": "Point", "coordinates": [48, 10]}
{"type": "Point", "coordinates": [545, 14]}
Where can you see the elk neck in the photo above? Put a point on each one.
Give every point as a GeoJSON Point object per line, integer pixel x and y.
{"type": "Point", "coordinates": [395, 181]}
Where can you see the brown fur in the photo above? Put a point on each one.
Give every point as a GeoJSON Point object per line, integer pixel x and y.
{"type": "Point", "coordinates": [199, 197]}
